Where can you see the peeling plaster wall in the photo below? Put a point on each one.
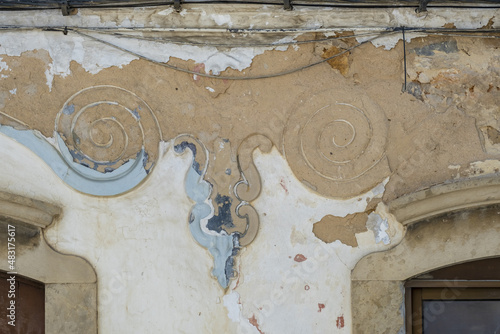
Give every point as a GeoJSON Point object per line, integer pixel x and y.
{"type": "Point", "coordinates": [142, 284]}
{"type": "Point", "coordinates": [223, 184]}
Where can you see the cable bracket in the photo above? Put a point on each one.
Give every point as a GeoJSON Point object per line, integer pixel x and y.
{"type": "Point", "coordinates": [177, 5]}
{"type": "Point", "coordinates": [422, 7]}
{"type": "Point", "coordinates": [287, 5]}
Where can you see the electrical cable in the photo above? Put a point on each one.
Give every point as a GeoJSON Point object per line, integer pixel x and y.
{"type": "Point", "coordinates": [479, 33]}
{"type": "Point", "coordinates": [382, 32]}
{"type": "Point", "coordinates": [231, 77]}
{"type": "Point", "coordinates": [57, 4]}
{"type": "Point", "coordinates": [273, 44]}
{"type": "Point", "coordinates": [404, 56]}
{"type": "Point", "coordinates": [473, 32]}
{"type": "Point", "coordinates": [461, 35]}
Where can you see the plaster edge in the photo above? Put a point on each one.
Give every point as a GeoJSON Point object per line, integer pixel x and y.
{"type": "Point", "coordinates": [29, 211]}
{"type": "Point", "coordinates": [252, 16]}
{"type": "Point", "coordinates": [78, 177]}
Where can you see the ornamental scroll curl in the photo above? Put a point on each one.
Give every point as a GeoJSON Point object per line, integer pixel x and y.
{"type": "Point", "coordinates": [106, 128]}
{"type": "Point", "coordinates": [248, 189]}
{"type": "Point", "coordinates": [107, 140]}
{"type": "Point", "coordinates": [337, 148]}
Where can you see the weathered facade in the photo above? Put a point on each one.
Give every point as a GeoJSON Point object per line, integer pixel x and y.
{"type": "Point", "coordinates": [245, 169]}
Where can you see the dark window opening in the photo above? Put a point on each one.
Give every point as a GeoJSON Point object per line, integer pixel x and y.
{"type": "Point", "coordinates": [460, 299]}
{"type": "Point", "coordinates": [28, 310]}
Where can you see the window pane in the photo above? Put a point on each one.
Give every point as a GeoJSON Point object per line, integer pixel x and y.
{"type": "Point", "coordinates": [461, 317]}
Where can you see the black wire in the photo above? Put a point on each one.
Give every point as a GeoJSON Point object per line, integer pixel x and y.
{"type": "Point", "coordinates": [387, 31]}
{"type": "Point", "coordinates": [273, 44]}
{"type": "Point", "coordinates": [404, 55]}
{"type": "Point", "coordinates": [265, 30]}
{"type": "Point", "coordinates": [55, 4]}
{"type": "Point", "coordinates": [266, 76]}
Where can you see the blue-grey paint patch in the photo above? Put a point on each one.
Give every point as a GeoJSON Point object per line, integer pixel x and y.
{"type": "Point", "coordinates": [229, 271]}
{"type": "Point", "coordinates": [76, 175]}
{"type": "Point", "coordinates": [449, 46]}
{"type": "Point", "coordinates": [69, 109]}
{"type": "Point", "coordinates": [77, 156]}
{"type": "Point", "coordinates": [136, 113]}
{"type": "Point", "coordinates": [378, 226]}
{"type": "Point", "coordinates": [145, 161]}
{"type": "Point", "coordinates": [76, 139]}
{"type": "Point", "coordinates": [220, 246]}
{"type": "Point", "coordinates": [415, 89]}
{"type": "Point", "coordinates": [228, 171]}
{"type": "Point", "coordinates": [223, 247]}
{"type": "Point", "coordinates": [180, 148]}
{"type": "Point", "coordinates": [83, 160]}
{"type": "Point", "coordinates": [224, 218]}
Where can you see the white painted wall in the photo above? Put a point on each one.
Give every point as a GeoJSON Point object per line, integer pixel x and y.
{"type": "Point", "coordinates": [154, 278]}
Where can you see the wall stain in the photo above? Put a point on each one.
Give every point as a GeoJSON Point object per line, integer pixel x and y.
{"type": "Point", "coordinates": [340, 63]}
{"type": "Point", "coordinates": [449, 46]}
{"type": "Point", "coordinates": [299, 258]}
{"type": "Point", "coordinates": [493, 135]}
{"type": "Point", "coordinates": [253, 322]}
{"type": "Point", "coordinates": [340, 322]}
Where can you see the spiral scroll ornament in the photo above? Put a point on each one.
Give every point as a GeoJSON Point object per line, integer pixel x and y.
{"type": "Point", "coordinates": [337, 149]}
{"type": "Point", "coordinates": [107, 128]}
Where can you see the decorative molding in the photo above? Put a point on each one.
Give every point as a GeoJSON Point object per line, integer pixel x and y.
{"type": "Point", "coordinates": [337, 149]}
{"type": "Point", "coordinates": [237, 225]}
{"type": "Point", "coordinates": [447, 197]}
{"type": "Point", "coordinates": [248, 188]}
{"type": "Point", "coordinates": [427, 246]}
{"type": "Point", "coordinates": [35, 257]}
{"type": "Point", "coordinates": [106, 143]}
{"type": "Point", "coordinates": [221, 245]}
{"type": "Point", "coordinates": [28, 211]}
{"type": "Point", "coordinates": [38, 260]}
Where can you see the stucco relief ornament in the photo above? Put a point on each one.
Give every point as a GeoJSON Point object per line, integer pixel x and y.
{"type": "Point", "coordinates": [248, 188]}
{"type": "Point", "coordinates": [337, 148]}
{"type": "Point", "coordinates": [107, 143]}
{"type": "Point", "coordinates": [107, 140]}
{"type": "Point", "coordinates": [241, 221]}
{"type": "Point", "coordinates": [108, 136]}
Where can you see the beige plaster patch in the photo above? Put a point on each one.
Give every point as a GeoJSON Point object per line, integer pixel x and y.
{"type": "Point", "coordinates": [480, 168]}
{"type": "Point", "coordinates": [329, 50]}
{"type": "Point", "coordinates": [490, 139]}
{"type": "Point", "coordinates": [340, 63]}
{"type": "Point", "coordinates": [344, 229]}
